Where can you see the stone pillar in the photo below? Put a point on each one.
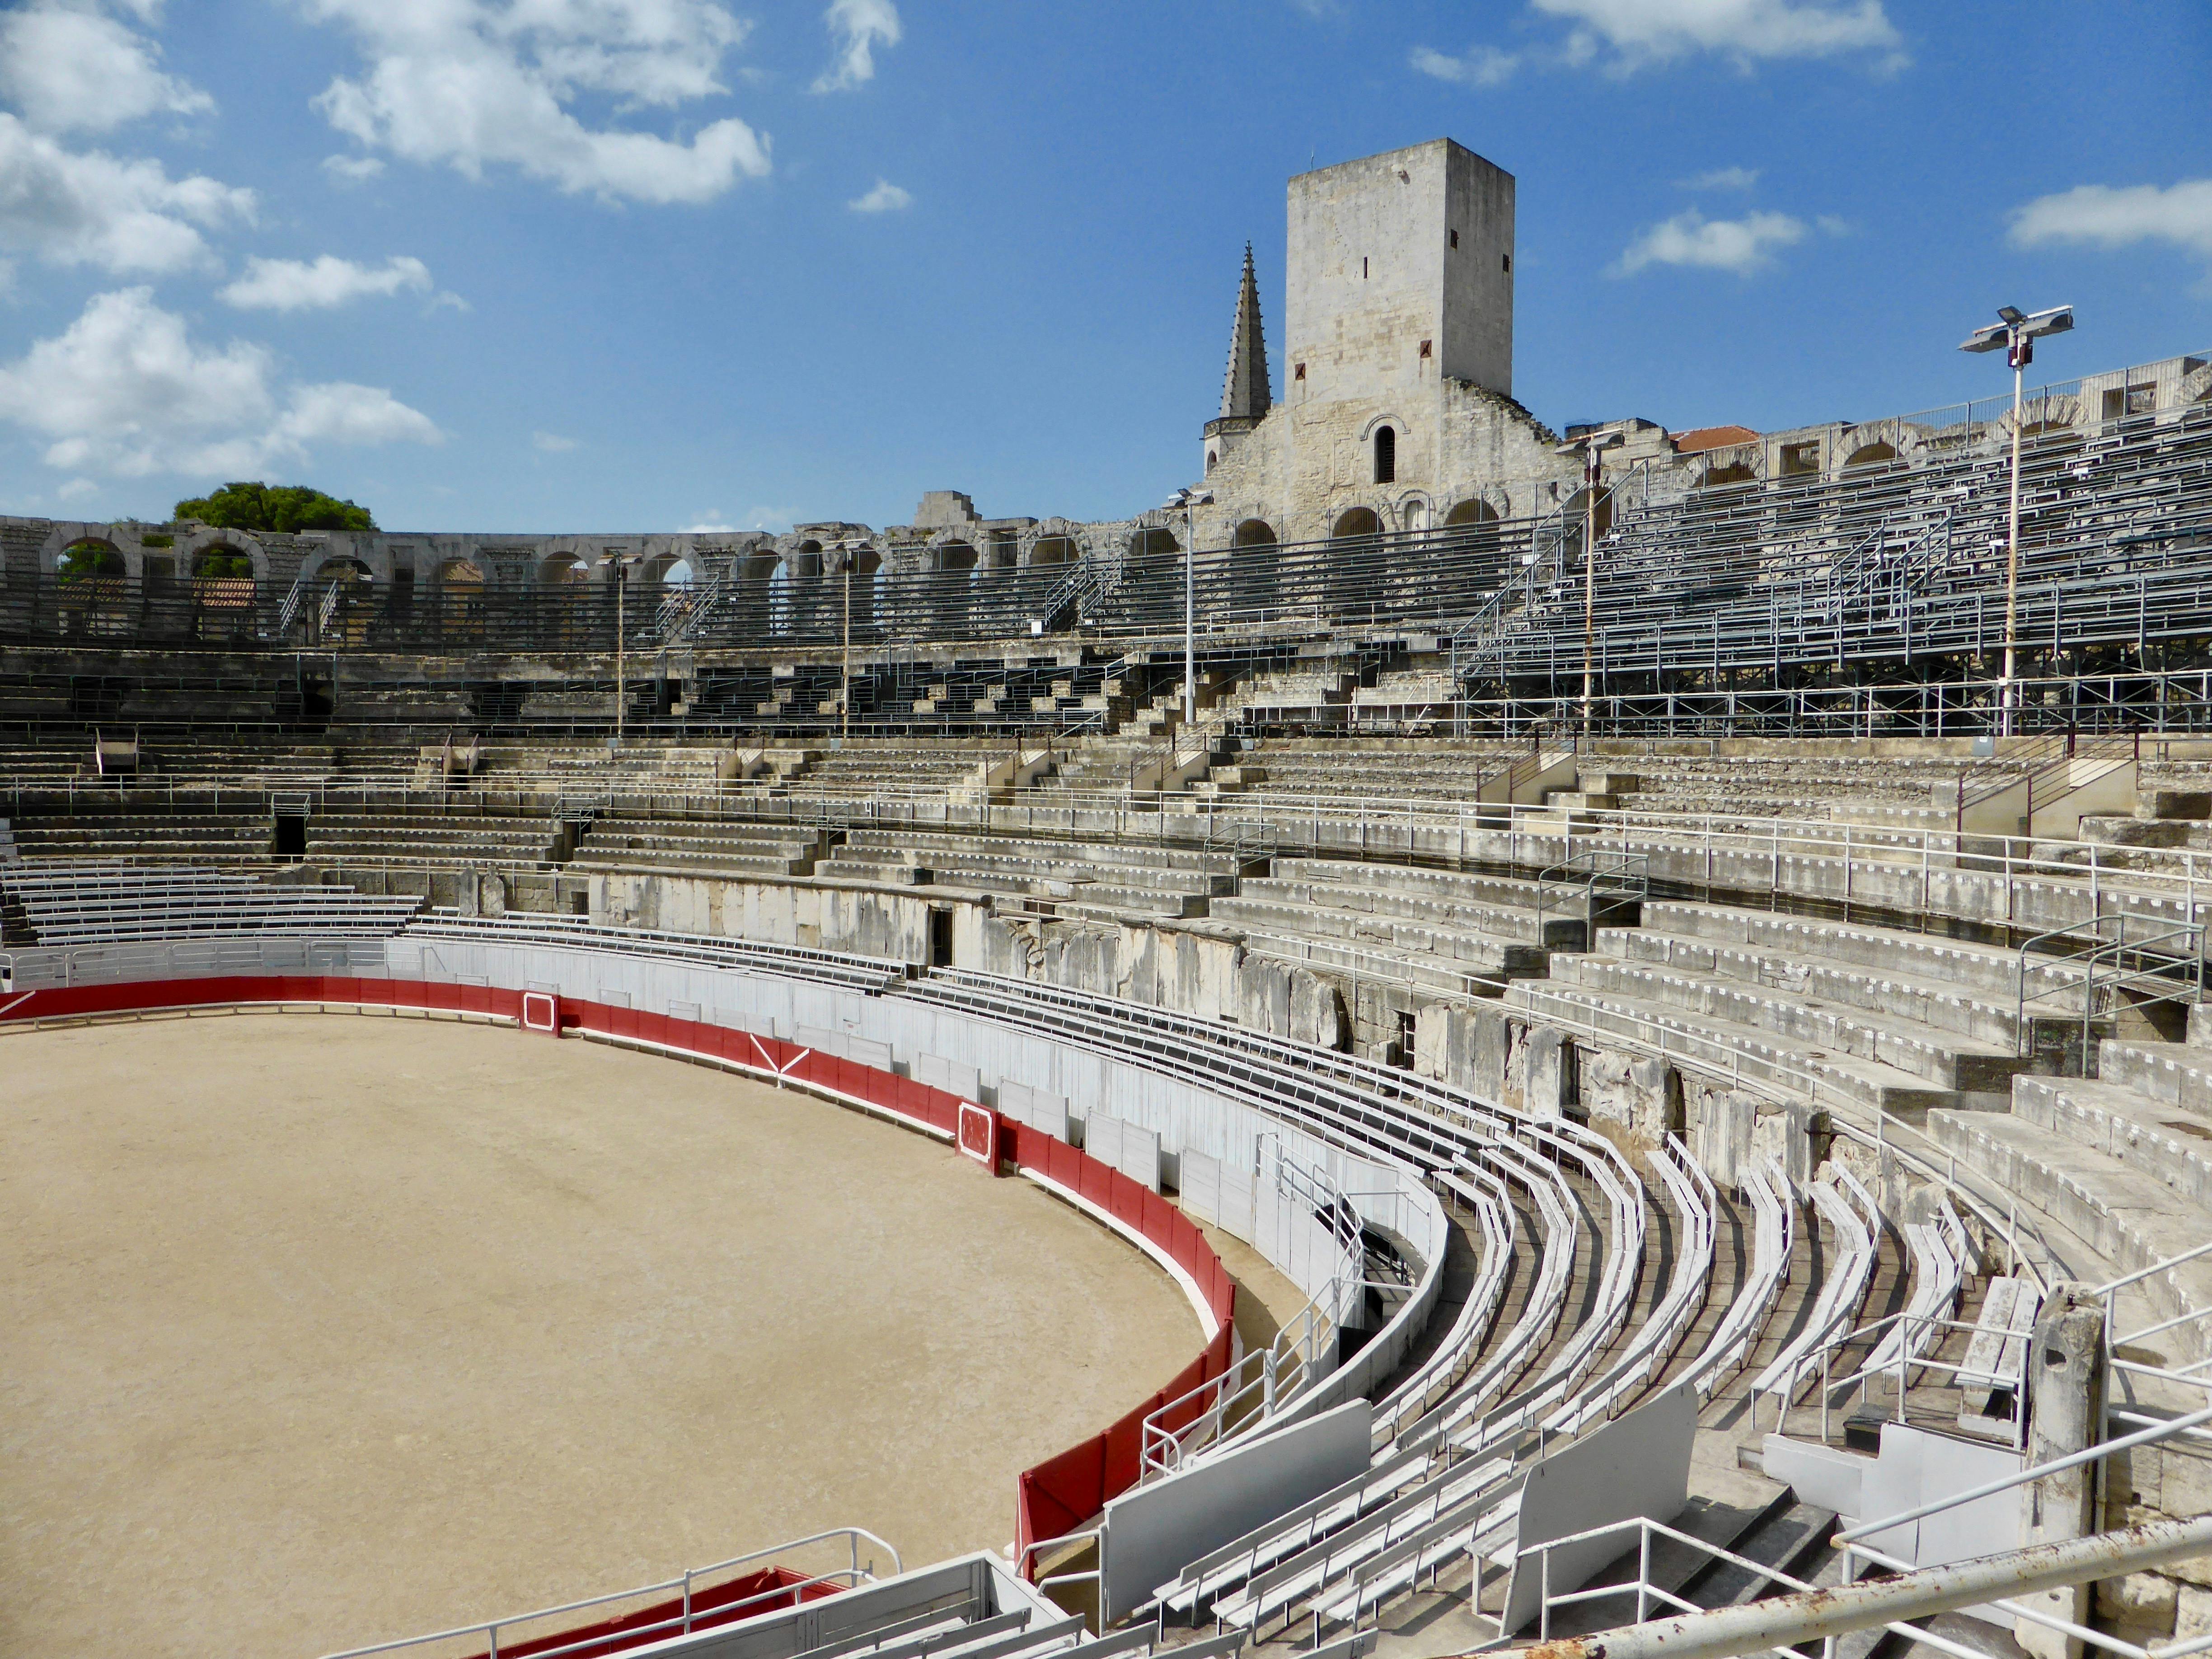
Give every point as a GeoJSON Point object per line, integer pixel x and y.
{"type": "Point", "coordinates": [1551, 1077]}
{"type": "Point", "coordinates": [1487, 1048]}
{"type": "Point", "coordinates": [2066, 1411]}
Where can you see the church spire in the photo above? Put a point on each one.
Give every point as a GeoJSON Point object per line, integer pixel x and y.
{"type": "Point", "coordinates": [1244, 393]}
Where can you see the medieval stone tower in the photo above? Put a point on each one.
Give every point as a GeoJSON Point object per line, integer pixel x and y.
{"type": "Point", "coordinates": [1397, 408]}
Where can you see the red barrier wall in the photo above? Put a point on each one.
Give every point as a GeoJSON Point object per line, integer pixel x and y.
{"type": "Point", "coordinates": [1059, 1494]}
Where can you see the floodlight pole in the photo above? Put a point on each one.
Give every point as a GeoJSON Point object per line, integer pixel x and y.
{"type": "Point", "coordinates": [1190, 499]}
{"type": "Point", "coordinates": [1189, 619]}
{"type": "Point", "coordinates": [1591, 445]}
{"type": "Point", "coordinates": [2018, 353]}
{"type": "Point", "coordinates": [2016, 331]}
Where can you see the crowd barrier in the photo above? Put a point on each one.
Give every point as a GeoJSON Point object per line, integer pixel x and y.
{"type": "Point", "coordinates": [1056, 1495]}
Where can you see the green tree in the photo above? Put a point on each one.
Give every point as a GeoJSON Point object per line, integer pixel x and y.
{"type": "Point", "coordinates": [82, 560]}
{"type": "Point", "coordinates": [284, 509]}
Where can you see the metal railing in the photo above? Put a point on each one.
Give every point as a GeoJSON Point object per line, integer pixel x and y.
{"type": "Point", "coordinates": [685, 1587]}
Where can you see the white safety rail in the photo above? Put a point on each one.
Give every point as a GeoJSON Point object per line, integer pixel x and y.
{"type": "Point", "coordinates": [1854, 1224]}
{"type": "Point", "coordinates": [1690, 1195]}
{"type": "Point", "coordinates": [1622, 1262]}
{"type": "Point", "coordinates": [1940, 1256]}
{"type": "Point", "coordinates": [685, 1598]}
{"type": "Point", "coordinates": [574, 933]}
{"type": "Point", "coordinates": [1308, 1227]}
{"type": "Point", "coordinates": [1446, 1495]}
{"type": "Point", "coordinates": [1484, 1195]}
{"type": "Point", "coordinates": [38, 968]}
{"type": "Point", "coordinates": [1557, 1215]}
{"type": "Point", "coordinates": [1774, 1223]}
{"type": "Point", "coordinates": [100, 903]}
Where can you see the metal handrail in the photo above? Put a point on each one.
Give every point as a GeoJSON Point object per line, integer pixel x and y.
{"type": "Point", "coordinates": [680, 1623]}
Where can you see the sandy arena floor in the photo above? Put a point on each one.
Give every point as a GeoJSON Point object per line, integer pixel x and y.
{"type": "Point", "coordinates": [325, 1330]}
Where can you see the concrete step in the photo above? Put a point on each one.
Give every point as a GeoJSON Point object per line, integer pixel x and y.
{"type": "Point", "coordinates": [1975, 969]}
{"type": "Point", "coordinates": [2129, 1217]}
{"type": "Point", "coordinates": [1838, 1080]}
{"type": "Point", "coordinates": [1947, 1061]}
{"type": "Point", "coordinates": [2159, 1139]}
{"type": "Point", "coordinates": [1463, 948]}
{"type": "Point", "coordinates": [1442, 886]}
{"type": "Point", "coordinates": [1991, 1019]}
{"type": "Point", "coordinates": [1519, 923]}
{"type": "Point", "coordinates": [2175, 1073]}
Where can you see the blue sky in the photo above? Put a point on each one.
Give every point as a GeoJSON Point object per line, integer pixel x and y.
{"type": "Point", "coordinates": [646, 264]}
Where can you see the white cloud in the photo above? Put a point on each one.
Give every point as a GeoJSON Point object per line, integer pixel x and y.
{"type": "Point", "coordinates": [71, 68]}
{"type": "Point", "coordinates": [551, 443]}
{"type": "Point", "coordinates": [352, 168]}
{"type": "Point", "coordinates": [858, 27]}
{"type": "Point", "coordinates": [1724, 179]}
{"type": "Point", "coordinates": [1480, 66]}
{"type": "Point", "coordinates": [884, 196]}
{"type": "Point", "coordinates": [295, 285]}
{"type": "Point", "coordinates": [1622, 36]}
{"type": "Point", "coordinates": [126, 392]}
{"type": "Point", "coordinates": [2105, 216]}
{"type": "Point", "coordinates": [75, 490]}
{"type": "Point", "coordinates": [1742, 246]}
{"type": "Point", "coordinates": [710, 523]}
{"type": "Point", "coordinates": [122, 215]}
{"type": "Point", "coordinates": [1641, 32]}
{"type": "Point", "coordinates": [473, 83]}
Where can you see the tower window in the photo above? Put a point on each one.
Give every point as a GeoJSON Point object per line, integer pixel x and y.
{"type": "Point", "coordinates": [1509, 262]}
{"type": "Point", "coordinates": [1363, 268]}
{"type": "Point", "coordinates": [1454, 239]}
{"type": "Point", "coordinates": [1211, 457]}
{"type": "Point", "coordinates": [1299, 373]}
{"type": "Point", "coordinates": [1385, 455]}
{"type": "Point", "coordinates": [1425, 351]}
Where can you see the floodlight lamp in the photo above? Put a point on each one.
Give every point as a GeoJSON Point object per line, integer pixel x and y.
{"type": "Point", "coordinates": [1996, 338]}
{"type": "Point", "coordinates": [2059, 319]}
{"type": "Point", "coordinates": [2012, 313]}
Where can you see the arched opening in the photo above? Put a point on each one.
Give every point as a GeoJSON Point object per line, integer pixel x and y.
{"type": "Point", "coordinates": [222, 592]}
{"type": "Point", "coordinates": [563, 602]}
{"type": "Point", "coordinates": [342, 610]}
{"type": "Point", "coordinates": [956, 556]}
{"type": "Point", "coordinates": [1254, 532]}
{"type": "Point", "coordinates": [461, 599]}
{"type": "Point", "coordinates": [90, 560]}
{"type": "Point", "coordinates": [1873, 454]}
{"type": "Point", "coordinates": [1212, 456]}
{"type": "Point", "coordinates": [1357, 521]}
{"type": "Point", "coordinates": [1386, 454]}
{"type": "Point", "coordinates": [1718, 475]}
{"type": "Point", "coordinates": [91, 572]}
{"type": "Point", "coordinates": [1054, 550]}
{"type": "Point", "coordinates": [1474, 510]}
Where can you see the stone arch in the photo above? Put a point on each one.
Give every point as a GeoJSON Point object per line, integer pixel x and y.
{"type": "Point", "coordinates": [342, 567]}
{"type": "Point", "coordinates": [1719, 474]}
{"type": "Point", "coordinates": [953, 557]}
{"type": "Point", "coordinates": [1355, 521]}
{"type": "Point", "coordinates": [1254, 532]}
{"type": "Point", "coordinates": [221, 561]}
{"type": "Point", "coordinates": [1152, 543]}
{"type": "Point", "coordinates": [1055, 549]}
{"type": "Point", "coordinates": [559, 568]}
{"type": "Point", "coordinates": [1384, 444]}
{"type": "Point", "coordinates": [91, 558]}
{"type": "Point", "coordinates": [1877, 453]}
{"type": "Point", "coordinates": [666, 570]}
{"type": "Point", "coordinates": [1472, 511]}
{"type": "Point", "coordinates": [1414, 513]}
{"type": "Point", "coordinates": [459, 596]}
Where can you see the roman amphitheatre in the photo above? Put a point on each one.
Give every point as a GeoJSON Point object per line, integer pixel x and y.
{"type": "Point", "coordinates": [1466, 1036]}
